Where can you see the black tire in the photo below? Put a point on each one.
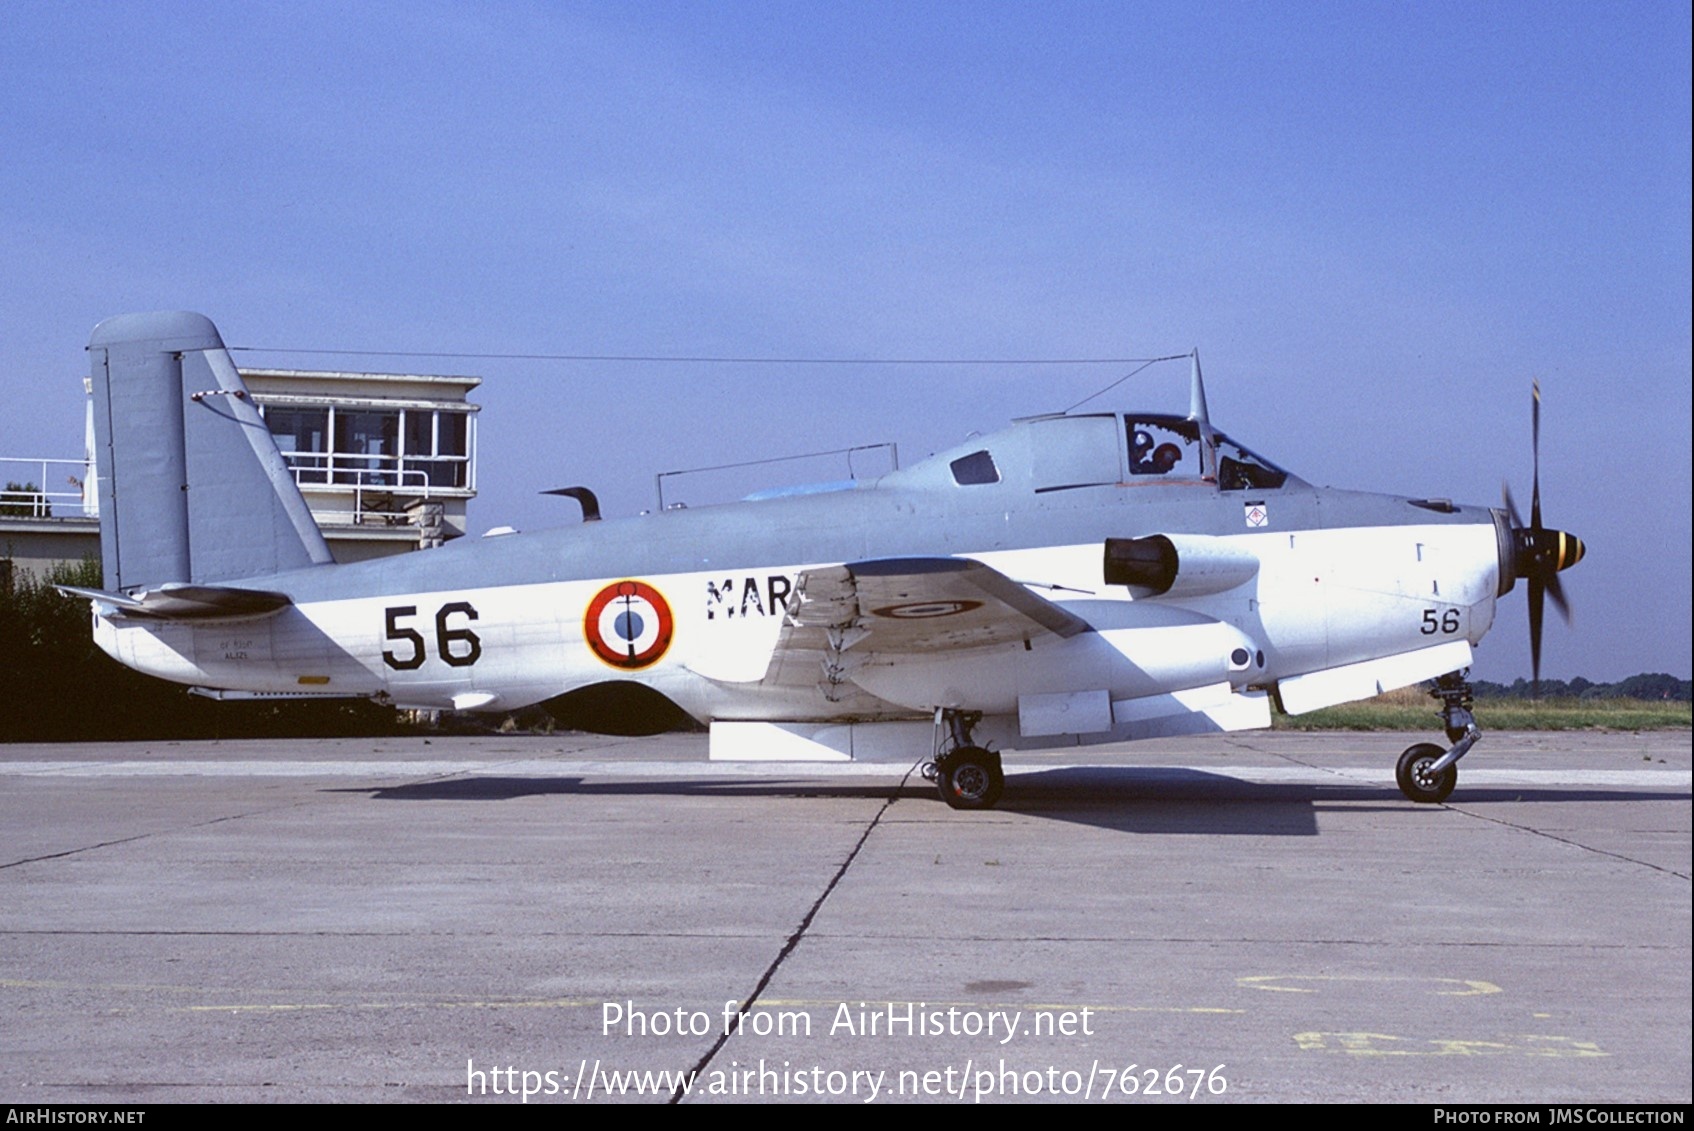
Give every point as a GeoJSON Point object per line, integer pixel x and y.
{"type": "Point", "coordinates": [970, 778]}
{"type": "Point", "coordinates": [1415, 780]}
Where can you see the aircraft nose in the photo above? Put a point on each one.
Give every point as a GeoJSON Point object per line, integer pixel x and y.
{"type": "Point", "coordinates": [1547, 551]}
{"type": "Point", "coordinates": [1571, 549]}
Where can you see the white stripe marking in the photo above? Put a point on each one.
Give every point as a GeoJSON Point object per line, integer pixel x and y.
{"type": "Point", "coordinates": [544, 768]}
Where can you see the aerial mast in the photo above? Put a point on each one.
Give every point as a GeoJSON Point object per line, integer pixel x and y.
{"type": "Point", "coordinates": [1197, 413]}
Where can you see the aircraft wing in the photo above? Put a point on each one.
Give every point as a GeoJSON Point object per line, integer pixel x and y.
{"type": "Point", "coordinates": [909, 605]}
{"type": "Point", "coordinates": [905, 606]}
{"type": "Point", "coordinates": [181, 601]}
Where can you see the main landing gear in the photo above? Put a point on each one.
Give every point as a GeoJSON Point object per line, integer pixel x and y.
{"type": "Point", "coordinates": [1427, 774]}
{"type": "Point", "coordinates": [967, 775]}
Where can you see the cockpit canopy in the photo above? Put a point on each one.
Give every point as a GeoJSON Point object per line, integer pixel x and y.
{"type": "Point", "coordinates": [1169, 445]}
{"type": "Point", "coordinates": [1065, 452]}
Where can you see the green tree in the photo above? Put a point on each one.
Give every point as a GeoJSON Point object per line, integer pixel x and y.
{"type": "Point", "coordinates": [57, 685]}
{"type": "Point", "coordinates": [24, 500]}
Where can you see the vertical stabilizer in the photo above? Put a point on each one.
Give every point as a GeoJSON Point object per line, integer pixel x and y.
{"type": "Point", "coordinates": [192, 487]}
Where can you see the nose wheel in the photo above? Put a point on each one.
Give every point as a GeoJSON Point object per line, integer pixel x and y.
{"type": "Point", "coordinates": [1426, 773]}
{"type": "Point", "coordinates": [1419, 780]}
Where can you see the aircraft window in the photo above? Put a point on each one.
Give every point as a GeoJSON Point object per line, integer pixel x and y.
{"type": "Point", "coordinates": [371, 436]}
{"type": "Point", "coordinates": [435, 447]}
{"type": "Point", "coordinates": [975, 469]}
{"type": "Point", "coordinates": [411, 448]}
{"type": "Point", "coordinates": [1240, 469]}
{"type": "Point", "coordinates": [1164, 447]}
{"type": "Point", "coordinates": [302, 435]}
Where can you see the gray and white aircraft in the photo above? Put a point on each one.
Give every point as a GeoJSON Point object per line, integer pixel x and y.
{"type": "Point", "coordinates": [1073, 579]}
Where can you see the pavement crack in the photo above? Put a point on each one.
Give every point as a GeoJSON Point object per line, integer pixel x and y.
{"type": "Point", "coordinates": [1567, 840]}
{"type": "Point", "coordinates": [792, 941]}
{"type": "Point", "coordinates": [1301, 762]}
{"type": "Point", "coordinates": [77, 851]}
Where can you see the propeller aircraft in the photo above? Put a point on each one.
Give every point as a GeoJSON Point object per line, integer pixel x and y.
{"type": "Point", "coordinates": [1077, 578]}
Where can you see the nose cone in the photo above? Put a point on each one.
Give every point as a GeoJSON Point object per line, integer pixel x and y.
{"type": "Point", "coordinates": [1570, 549]}
{"type": "Point", "coordinates": [1543, 552]}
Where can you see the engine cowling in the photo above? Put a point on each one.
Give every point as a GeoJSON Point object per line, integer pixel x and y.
{"type": "Point", "coordinates": [1181, 565]}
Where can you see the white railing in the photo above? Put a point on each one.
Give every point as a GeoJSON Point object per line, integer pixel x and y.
{"type": "Point", "coordinates": [377, 491]}
{"type": "Point", "coordinates": [380, 494]}
{"type": "Point", "coordinates": [30, 498]}
{"type": "Point", "coordinates": [346, 469]}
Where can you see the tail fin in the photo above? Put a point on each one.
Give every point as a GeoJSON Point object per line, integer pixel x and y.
{"type": "Point", "coordinates": [192, 487]}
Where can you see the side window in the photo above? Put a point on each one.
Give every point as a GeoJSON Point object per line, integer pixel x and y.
{"type": "Point", "coordinates": [1240, 469]}
{"type": "Point", "coordinates": [302, 435]}
{"type": "Point", "coordinates": [1164, 447]}
{"type": "Point", "coordinates": [366, 442]}
{"type": "Point", "coordinates": [435, 448]}
{"type": "Point", "coordinates": [975, 469]}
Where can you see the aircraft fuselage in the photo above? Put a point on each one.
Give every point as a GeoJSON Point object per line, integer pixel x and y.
{"type": "Point", "coordinates": [1341, 578]}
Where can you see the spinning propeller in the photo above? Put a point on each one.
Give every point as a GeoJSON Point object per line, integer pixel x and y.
{"type": "Point", "coordinates": [1539, 553]}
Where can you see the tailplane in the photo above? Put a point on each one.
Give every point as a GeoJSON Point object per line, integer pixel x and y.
{"type": "Point", "coordinates": [192, 486]}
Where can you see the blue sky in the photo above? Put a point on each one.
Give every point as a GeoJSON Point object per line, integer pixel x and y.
{"type": "Point", "coordinates": [1377, 223]}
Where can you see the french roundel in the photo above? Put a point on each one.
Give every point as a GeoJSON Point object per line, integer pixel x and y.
{"type": "Point", "coordinates": [628, 624]}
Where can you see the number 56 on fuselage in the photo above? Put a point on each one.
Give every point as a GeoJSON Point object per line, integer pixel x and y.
{"type": "Point", "coordinates": [1073, 579]}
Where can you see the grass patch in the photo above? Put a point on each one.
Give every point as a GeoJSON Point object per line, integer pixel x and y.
{"type": "Point", "coordinates": [1411, 709]}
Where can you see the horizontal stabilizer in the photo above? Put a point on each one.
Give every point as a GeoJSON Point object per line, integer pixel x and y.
{"type": "Point", "coordinates": [177, 601]}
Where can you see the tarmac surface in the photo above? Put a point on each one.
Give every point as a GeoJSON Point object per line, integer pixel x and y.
{"type": "Point", "coordinates": [1235, 918]}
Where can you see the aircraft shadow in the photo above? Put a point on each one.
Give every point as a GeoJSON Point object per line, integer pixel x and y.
{"type": "Point", "coordinates": [1167, 800]}
{"type": "Point", "coordinates": [1126, 799]}
{"type": "Point", "coordinates": [511, 788]}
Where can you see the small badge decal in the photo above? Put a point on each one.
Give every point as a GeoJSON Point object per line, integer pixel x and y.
{"type": "Point", "coordinates": [628, 624]}
{"type": "Point", "coordinates": [1256, 514]}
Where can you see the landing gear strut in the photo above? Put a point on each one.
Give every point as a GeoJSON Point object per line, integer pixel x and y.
{"type": "Point", "coordinates": [1427, 774]}
{"type": "Point", "coordinates": [967, 776]}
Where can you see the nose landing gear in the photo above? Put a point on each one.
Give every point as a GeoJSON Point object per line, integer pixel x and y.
{"type": "Point", "coordinates": [1427, 774]}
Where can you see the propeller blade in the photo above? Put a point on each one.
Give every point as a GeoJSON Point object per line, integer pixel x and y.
{"type": "Point", "coordinates": [1535, 447]}
{"type": "Point", "coordinates": [1557, 592]}
{"type": "Point", "coordinates": [1511, 506]}
{"type": "Point", "coordinates": [1538, 554]}
{"type": "Point", "coordinates": [1537, 590]}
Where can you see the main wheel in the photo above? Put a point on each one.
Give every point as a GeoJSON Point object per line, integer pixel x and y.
{"type": "Point", "coordinates": [970, 778]}
{"type": "Point", "coordinates": [1415, 780]}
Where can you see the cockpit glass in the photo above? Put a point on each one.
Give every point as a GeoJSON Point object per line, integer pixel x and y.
{"type": "Point", "coordinates": [975, 469]}
{"type": "Point", "coordinates": [1163, 447]}
{"type": "Point", "coordinates": [1240, 469]}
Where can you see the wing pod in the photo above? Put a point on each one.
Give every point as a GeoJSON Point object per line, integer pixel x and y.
{"type": "Point", "coordinates": [1181, 565]}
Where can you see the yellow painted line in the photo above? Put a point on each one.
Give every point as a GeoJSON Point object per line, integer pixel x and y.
{"type": "Point", "coordinates": [572, 1003]}
{"type": "Point", "coordinates": [1470, 987]}
{"type": "Point", "coordinates": [287, 1007]}
{"type": "Point", "coordinates": [1028, 1007]}
{"type": "Point", "coordinates": [284, 1007]}
{"type": "Point", "coordinates": [1384, 1044]}
{"type": "Point", "coordinates": [126, 987]}
{"type": "Point", "coordinates": [290, 1007]}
